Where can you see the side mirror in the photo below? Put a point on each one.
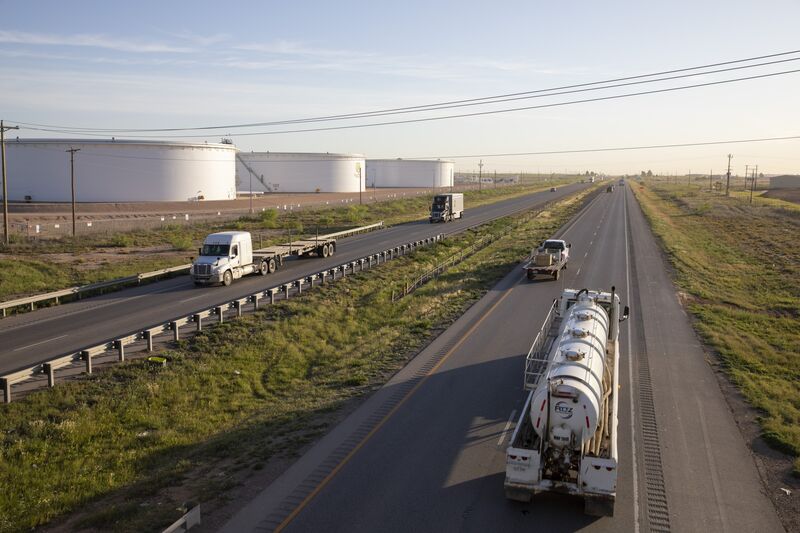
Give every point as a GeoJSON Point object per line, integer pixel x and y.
{"type": "Point", "coordinates": [625, 314]}
{"type": "Point", "coordinates": [199, 251]}
{"type": "Point", "coordinates": [569, 245]}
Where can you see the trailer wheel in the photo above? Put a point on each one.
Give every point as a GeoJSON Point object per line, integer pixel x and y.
{"type": "Point", "coordinates": [227, 278]}
{"type": "Point", "coordinates": [325, 250]}
{"type": "Point", "coordinates": [271, 266]}
{"type": "Point", "coordinates": [263, 268]}
{"type": "Point", "coordinates": [531, 275]}
{"type": "Point", "coordinates": [331, 248]}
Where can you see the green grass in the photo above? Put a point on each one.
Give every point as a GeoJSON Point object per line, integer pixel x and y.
{"type": "Point", "coordinates": [115, 444]}
{"type": "Point", "coordinates": [176, 243]}
{"type": "Point", "coordinates": [739, 265]}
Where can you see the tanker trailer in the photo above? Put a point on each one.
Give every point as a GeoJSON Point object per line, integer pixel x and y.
{"type": "Point", "coordinates": [566, 437]}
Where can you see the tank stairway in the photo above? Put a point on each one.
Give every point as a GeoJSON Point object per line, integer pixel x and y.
{"type": "Point", "coordinates": [253, 173]}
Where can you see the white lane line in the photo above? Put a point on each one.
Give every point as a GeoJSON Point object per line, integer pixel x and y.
{"type": "Point", "coordinates": [578, 273]}
{"type": "Point", "coordinates": [630, 377]}
{"type": "Point", "coordinates": [193, 298]}
{"type": "Point", "coordinates": [505, 429]}
{"type": "Point", "coordinates": [38, 343]}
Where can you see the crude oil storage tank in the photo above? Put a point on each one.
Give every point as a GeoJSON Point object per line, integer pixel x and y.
{"type": "Point", "coordinates": [119, 171]}
{"type": "Point", "coordinates": [410, 173]}
{"type": "Point", "coordinates": [299, 172]}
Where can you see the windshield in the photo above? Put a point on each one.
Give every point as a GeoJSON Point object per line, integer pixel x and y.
{"type": "Point", "coordinates": [553, 245]}
{"type": "Point", "coordinates": [439, 202]}
{"type": "Point", "coordinates": [216, 249]}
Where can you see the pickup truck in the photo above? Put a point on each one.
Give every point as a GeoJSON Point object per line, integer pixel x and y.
{"type": "Point", "coordinates": [549, 259]}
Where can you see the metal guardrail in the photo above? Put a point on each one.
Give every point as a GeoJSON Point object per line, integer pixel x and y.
{"type": "Point", "coordinates": [137, 278]}
{"type": "Point", "coordinates": [186, 522]}
{"type": "Point", "coordinates": [85, 355]}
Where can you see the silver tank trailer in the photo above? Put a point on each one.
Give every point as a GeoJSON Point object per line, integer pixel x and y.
{"type": "Point", "coordinates": [570, 398]}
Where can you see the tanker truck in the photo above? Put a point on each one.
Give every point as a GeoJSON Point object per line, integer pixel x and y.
{"type": "Point", "coordinates": [566, 437]}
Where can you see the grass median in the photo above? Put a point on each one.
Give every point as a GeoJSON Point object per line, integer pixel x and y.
{"type": "Point", "coordinates": [44, 265]}
{"type": "Point", "coordinates": [738, 267]}
{"type": "Point", "coordinates": [126, 447]}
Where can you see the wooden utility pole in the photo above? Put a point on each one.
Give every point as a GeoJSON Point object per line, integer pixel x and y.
{"type": "Point", "coordinates": [495, 179]}
{"type": "Point", "coordinates": [711, 181]}
{"type": "Point", "coordinates": [480, 175]}
{"type": "Point", "coordinates": [728, 182]}
{"type": "Point", "coordinates": [5, 183]}
{"type": "Point", "coordinates": [72, 179]}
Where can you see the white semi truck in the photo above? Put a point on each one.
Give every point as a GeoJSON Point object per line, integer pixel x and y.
{"type": "Point", "coordinates": [447, 207]}
{"type": "Point", "coordinates": [229, 255]}
{"type": "Point", "coordinates": [566, 437]}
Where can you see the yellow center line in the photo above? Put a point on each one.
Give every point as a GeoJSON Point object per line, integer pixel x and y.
{"type": "Point", "coordinates": [391, 413]}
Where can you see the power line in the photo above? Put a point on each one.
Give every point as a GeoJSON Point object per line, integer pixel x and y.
{"type": "Point", "coordinates": [477, 113]}
{"type": "Point", "coordinates": [539, 93]}
{"type": "Point", "coordinates": [612, 149]}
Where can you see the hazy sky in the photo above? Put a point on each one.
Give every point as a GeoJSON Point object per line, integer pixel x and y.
{"type": "Point", "coordinates": [171, 64]}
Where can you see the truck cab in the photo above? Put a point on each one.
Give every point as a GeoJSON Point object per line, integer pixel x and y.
{"type": "Point", "coordinates": [225, 256]}
{"type": "Point", "coordinates": [447, 207]}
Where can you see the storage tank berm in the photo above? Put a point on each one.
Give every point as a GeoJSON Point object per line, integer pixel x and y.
{"type": "Point", "coordinates": [119, 171]}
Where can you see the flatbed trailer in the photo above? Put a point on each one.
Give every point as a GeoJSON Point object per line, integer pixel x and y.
{"type": "Point", "coordinates": [547, 260]}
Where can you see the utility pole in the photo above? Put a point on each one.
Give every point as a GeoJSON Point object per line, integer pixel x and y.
{"type": "Point", "coordinates": [5, 182]}
{"type": "Point", "coordinates": [480, 175]}
{"type": "Point", "coordinates": [360, 199]}
{"type": "Point", "coordinates": [753, 183]}
{"type": "Point", "coordinates": [745, 176]}
{"type": "Point", "coordinates": [251, 191]}
{"type": "Point", "coordinates": [711, 181]}
{"type": "Point", "coordinates": [72, 178]}
{"type": "Point", "coordinates": [495, 179]}
{"type": "Point", "coordinates": [728, 182]}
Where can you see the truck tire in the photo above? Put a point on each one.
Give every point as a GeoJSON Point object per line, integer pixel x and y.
{"type": "Point", "coordinates": [263, 268]}
{"type": "Point", "coordinates": [325, 250]}
{"type": "Point", "coordinates": [271, 266]}
{"type": "Point", "coordinates": [331, 249]}
{"type": "Point", "coordinates": [531, 275]}
{"type": "Point", "coordinates": [227, 278]}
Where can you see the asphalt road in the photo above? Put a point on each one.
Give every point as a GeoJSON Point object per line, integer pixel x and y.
{"type": "Point", "coordinates": [31, 338]}
{"type": "Point", "coordinates": [427, 451]}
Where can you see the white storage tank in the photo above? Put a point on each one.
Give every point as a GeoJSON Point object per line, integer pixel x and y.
{"type": "Point", "coordinates": [299, 172]}
{"type": "Point", "coordinates": [119, 171]}
{"type": "Point", "coordinates": [410, 173]}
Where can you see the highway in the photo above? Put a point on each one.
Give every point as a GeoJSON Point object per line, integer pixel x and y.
{"type": "Point", "coordinates": [427, 451]}
{"type": "Point", "coordinates": [30, 338]}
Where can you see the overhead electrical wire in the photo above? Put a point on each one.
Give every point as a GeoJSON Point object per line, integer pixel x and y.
{"type": "Point", "coordinates": [487, 100]}
{"type": "Point", "coordinates": [464, 115]}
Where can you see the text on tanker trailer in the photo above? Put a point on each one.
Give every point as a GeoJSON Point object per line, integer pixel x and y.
{"type": "Point", "coordinates": [566, 437]}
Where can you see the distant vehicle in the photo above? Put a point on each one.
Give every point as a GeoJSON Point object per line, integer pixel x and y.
{"type": "Point", "coordinates": [622, 182]}
{"type": "Point", "coordinates": [552, 189]}
{"type": "Point", "coordinates": [229, 255]}
{"type": "Point", "coordinates": [549, 259]}
{"type": "Point", "coordinates": [591, 179]}
{"type": "Point", "coordinates": [566, 436]}
{"type": "Point", "coordinates": [610, 188]}
{"type": "Point", "coordinates": [447, 207]}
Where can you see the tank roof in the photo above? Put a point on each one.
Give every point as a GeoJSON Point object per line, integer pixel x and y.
{"type": "Point", "coordinates": [112, 141]}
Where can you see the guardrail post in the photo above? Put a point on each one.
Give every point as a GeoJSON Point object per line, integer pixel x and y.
{"type": "Point", "coordinates": [221, 312]}
{"type": "Point", "coordinates": [88, 358]}
{"type": "Point", "coordinates": [51, 378]}
{"type": "Point", "coordinates": [238, 305]}
{"type": "Point", "coordinates": [272, 296]}
{"type": "Point", "coordinates": [176, 334]}
{"type": "Point", "coordinates": [286, 288]}
{"type": "Point", "coordinates": [310, 281]}
{"type": "Point", "coordinates": [120, 349]}
{"type": "Point", "coordinates": [255, 297]}
{"type": "Point", "coordinates": [199, 320]}
{"type": "Point", "coordinates": [6, 390]}
{"type": "Point", "coordinates": [299, 286]}
{"type": "Point", "coordinates": [148, 335]}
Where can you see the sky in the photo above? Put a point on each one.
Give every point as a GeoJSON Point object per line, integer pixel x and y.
{"type": "Point", "coordinates": [174, 64]}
